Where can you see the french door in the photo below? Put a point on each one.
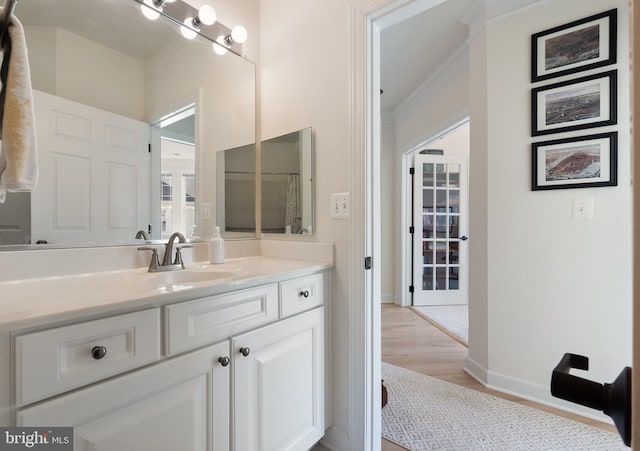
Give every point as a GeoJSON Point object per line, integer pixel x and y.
{"type": "Point", "coordinates": [440, 222]}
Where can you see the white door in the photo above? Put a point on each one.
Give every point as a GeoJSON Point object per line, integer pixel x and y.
{"type": "Point", "coordinates": [440, 223]}
{"type": "Point", "coordinates": [94, 169]}
{"type": "Point", "coordinates": [278, 386]}
{"type": "Point", "coordinates": [181, 404]}
{"type": "Point", "coordinates": [15, 219]}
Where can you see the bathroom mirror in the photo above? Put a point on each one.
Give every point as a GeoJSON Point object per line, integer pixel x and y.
{"type": "Point", "coordinates": [135, 74]}
{"type": "Point", "coordinates": [287, 183]}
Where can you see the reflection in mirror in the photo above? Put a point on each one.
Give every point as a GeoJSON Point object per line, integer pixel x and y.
{"type": "Point", "coordinates": [287, 183]}
{"type": "Point", "coordinates": [100, 80]}
{"type": "Point", "coordinates": [236, 205]}
{"type": "Point", "coordinates": [177, 175]}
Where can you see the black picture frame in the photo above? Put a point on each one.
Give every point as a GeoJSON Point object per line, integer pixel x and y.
{"type": "Point", "coordinates": [585, 102]}
{"type": "Point", "coordinates": [577, 162]}
{"type": "Point", "coordinates": [576, 46]}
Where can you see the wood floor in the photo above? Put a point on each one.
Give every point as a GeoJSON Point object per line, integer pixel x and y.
{"type": "Point", "coordinates": [411, 342]}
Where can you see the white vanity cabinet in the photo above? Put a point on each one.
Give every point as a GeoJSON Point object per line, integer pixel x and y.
{"type": "Point", "coordinates": [180, 404]}
{"type": "Point", "coordinates": [278, 384]}
{"type": "Point", "coordinates": [242, 370]}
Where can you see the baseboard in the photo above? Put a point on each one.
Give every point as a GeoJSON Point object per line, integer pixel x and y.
{"type": "Point", "coordinates": [476, 371]}
{"type": "Point", "coordinates": [335, 439]}
{"type": "Point", "coordinates": [527, 390]}
{"type": "Point", "coordinates": [540, 394]}
{"type": "Point", "coordinates": [387, 299]}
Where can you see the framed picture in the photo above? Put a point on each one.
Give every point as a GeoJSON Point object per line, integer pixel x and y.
{"type": "Point", "coordinates": [576, 46]}
{"type": "Point", "coordinates": [580, 162]}
{"type": "Point", "coordinates": [575, 104]}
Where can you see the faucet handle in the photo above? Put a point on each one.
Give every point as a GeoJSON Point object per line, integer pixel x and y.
{"type": "Point", "coordinates": [178, 259]}
{"type": "Point", "coordinates": [155, 262]}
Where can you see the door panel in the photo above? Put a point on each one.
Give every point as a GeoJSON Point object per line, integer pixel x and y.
{"type": "Point", "coordinates": [440, 219]}
{"type": "Point", "coordinates": [94, 169]}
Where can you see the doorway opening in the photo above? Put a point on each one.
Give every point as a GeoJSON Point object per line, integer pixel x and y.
{"type": "Point", "coordinates": [438, 247]}
{"type": "Point", "coordinates": [176, 177]}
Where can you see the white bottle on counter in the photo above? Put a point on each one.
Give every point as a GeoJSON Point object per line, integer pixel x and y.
{"type": "Point", "coordinates": [216, 247]}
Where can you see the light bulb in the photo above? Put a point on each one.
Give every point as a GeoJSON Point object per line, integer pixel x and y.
{"type": "Point", "coordinates": [239, 34]}
{"type": "Point", "coordinates": [207, 15]}
{"type": "Point", "coordinates": [219, 47]}
{"type": "Point", "coordinates": [149, 10]}
{"type": "Point", "coordinates": [186, 29]}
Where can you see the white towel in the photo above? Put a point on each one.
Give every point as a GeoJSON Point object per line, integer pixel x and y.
{"type": "Point", "coordinates": [18, 155]}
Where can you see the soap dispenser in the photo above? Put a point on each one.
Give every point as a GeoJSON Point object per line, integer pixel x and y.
{"type": "Point", "coordinates": [216, 247]}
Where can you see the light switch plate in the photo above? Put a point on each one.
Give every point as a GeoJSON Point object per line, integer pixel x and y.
{"type": "Point", "coordinates": [205, 211]}
{"type": "Point", "coordinates": [340, 205]}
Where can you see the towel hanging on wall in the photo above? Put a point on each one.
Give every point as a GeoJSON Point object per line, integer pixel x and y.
{"type": "Point", "coordinates": [18, 154]}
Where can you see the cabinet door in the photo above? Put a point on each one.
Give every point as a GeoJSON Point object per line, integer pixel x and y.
{"type": "Point", "coordinates": [278, 388]}
{"type": "Point", "coordinates": [180, 404]}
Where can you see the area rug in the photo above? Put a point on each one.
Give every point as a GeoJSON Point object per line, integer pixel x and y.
{"type": "Point", "coordinates": [427, 413]}
{"type": "Point", "coordinates": [451, 319]}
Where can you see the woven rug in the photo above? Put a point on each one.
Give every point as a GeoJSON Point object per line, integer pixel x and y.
{"type": "Point", "coordinates": [427, 413]}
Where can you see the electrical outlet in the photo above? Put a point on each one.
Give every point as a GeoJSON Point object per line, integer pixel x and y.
{"type": "Point", "coordinates": [340, 205]}
{"type": "Point", "coordinates": [205, 211]}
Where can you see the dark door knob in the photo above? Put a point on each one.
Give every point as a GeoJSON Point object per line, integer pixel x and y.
{"type": "Point", "coordinates": [224, 361]}
{"type": "Point", "coordinates": [613, 399]}
{"type": "Point", "coordinates": [245, 351]}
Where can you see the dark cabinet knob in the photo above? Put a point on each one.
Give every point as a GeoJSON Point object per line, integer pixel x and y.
{"type": "Point", "coordinates": [245, 351]}
{"type": "Point", "coordinates": [98, 352]}
{"type": "Point", "coordinates": [304, 293]}
{"type": "Point", "coordinates": [224, 361]}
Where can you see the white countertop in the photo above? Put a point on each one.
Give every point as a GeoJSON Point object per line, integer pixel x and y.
{"type": "Point", "coordinates": [36, 302]}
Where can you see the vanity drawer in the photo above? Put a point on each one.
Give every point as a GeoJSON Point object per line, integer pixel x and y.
{"type": "Point", "coordinates": [207, 320]}
{"type": "Point", "coordinates": [298, 295]}
{"type": "Point", "coordinates": [57, 360]}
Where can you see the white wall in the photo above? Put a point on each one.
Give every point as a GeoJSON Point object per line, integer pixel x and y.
{"type": "Point", "coordinates": [305, 82]}
{"type": "Point", "coordinates": [389, 222]}
{"type": "Point", "coordinates": [73, 67]}
{"type": "Point", "coordinates": [553, 284]}
{"type": "Point", "coordinates": [441, 102]}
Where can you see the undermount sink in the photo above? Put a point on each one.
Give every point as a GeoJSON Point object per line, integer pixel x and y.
{"type": "Point", "coordinates": [181, 279]}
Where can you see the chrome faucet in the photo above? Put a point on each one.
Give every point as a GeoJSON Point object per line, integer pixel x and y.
{"type": "Point", "coordinates": [167, 264]}
{"type": "Point", "coordinates": [168, 250]}
{"type": "Point", "coordinates": [142, 235]}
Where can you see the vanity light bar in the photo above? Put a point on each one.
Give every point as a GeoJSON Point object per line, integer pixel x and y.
{"type": "Point", "coordinates": [201, 22]}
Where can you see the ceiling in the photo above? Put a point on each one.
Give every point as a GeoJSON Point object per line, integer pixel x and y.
{"type": "Point", "coordinates": [414, 50]}
{"type": "Point", "coordinates": [411, 51]}
{"type": "Point", "coordinates": [97, 20]}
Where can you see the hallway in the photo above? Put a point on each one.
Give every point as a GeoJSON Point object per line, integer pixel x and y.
{"type": "Point", "coordinates": [411, 342]}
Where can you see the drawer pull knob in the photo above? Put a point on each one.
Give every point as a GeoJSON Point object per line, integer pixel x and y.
{"type": "Point", "coordinates": [224, 361]}
{"type": "Point", "coordinates": [304, 293]}
{"type": "Point", "coordinates": [98, 352]}
{"type": "Point", "coordinates": [245, 351]}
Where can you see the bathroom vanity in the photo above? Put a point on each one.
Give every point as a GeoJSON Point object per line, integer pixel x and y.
{"type": "Point", "coordinates": [214, 357]}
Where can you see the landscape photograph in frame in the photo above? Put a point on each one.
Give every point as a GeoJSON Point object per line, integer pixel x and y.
{"type": "Point", "coordinates": [576, 46]}
{"type": "Point", "coordinates": [577, 104]}
{"type": "Point", "coordinates": [579, 162]}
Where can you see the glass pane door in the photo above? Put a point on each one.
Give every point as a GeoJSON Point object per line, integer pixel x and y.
{"type": "Point", "coordinates": [439, 196]}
